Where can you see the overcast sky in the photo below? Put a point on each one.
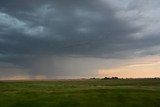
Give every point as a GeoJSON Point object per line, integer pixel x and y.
{"type": "Point", "coordinates": [79, 38]}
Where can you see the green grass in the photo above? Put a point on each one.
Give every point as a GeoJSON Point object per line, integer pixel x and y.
{"type": "Point", "coordinates": [81, 93]}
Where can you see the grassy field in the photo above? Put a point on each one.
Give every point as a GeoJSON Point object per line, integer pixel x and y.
{"type": "Point", "coordinates": [81, 93]}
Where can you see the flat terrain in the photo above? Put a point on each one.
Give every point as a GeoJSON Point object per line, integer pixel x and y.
{"type": "Point", "coordinates": [81, 93]}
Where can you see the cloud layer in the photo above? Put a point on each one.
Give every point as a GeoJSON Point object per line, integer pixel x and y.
{"type": "Point", "coordinates": [41, 33]}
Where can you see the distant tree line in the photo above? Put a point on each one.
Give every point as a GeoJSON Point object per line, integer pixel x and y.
{"type": "Point", "coordinates": [109, 78]}
{"type": "Point", "coordinates": [105, 78]}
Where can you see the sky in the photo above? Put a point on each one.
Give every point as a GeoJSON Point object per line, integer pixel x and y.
{"type": "Point", "coordinates": [54, 39]}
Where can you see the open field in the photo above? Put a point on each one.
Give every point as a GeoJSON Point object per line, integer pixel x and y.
{"type": "Point", "coordinates": [81, 93]}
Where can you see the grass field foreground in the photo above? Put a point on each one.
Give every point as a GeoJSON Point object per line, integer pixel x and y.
{"type": "Point", "coordinates": [81, 93]}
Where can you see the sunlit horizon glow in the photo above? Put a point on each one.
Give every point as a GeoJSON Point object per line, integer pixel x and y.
{"type": "Point", "coordinates": [142, 67]}
{"type": "Point", "coordinates": [146, 70]}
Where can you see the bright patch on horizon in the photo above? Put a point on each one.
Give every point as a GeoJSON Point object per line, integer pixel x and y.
{"type": "Point", "coordinates": [146, 70]}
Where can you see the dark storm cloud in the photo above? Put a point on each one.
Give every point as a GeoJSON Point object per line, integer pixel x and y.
{"type": "Point", "coordinates": [31, 30]}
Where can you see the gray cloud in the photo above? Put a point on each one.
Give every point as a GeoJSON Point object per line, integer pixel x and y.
{"type": "Point", "coordinates": [31, 31]}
